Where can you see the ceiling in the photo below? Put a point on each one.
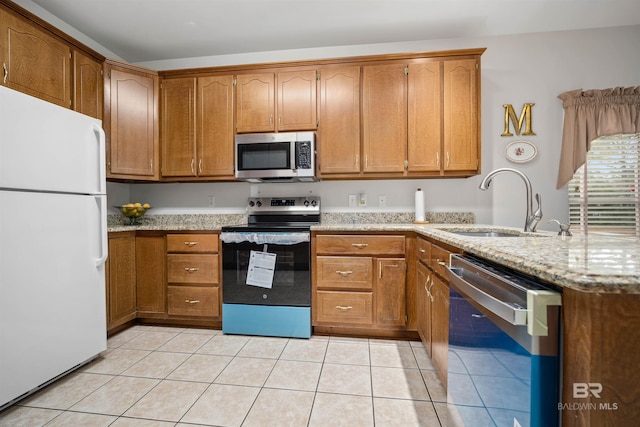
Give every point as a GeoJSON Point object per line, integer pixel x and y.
{"type": "Point", "coordinates": [152, 30]}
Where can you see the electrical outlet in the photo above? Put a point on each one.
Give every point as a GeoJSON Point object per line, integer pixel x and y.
{"type": "Point", "coordinates": [212, 201]}
{"type": "Point", "coordinates": [382, 201]}
{"type": "Point", "coordinates": [353, 201]}
{"type": "Point", "coordinates": [363, 200]}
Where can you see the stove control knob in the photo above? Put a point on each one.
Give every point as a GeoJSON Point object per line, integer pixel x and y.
{"type": "Point", "coordinates": [306, 203]}
{"type": "Point", "coordinates": [258, 203]}
{"type": "Point", "coordinates": [314, 203]}
{"type": "Point", "coordinates": [252, 203]}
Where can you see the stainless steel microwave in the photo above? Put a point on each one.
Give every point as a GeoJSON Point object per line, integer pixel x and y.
{"type": "Point", "coordinates": [276, 157]}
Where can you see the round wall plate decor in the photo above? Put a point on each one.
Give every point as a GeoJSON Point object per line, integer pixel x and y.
{"type": "Point", "coordinates": [521, 151]}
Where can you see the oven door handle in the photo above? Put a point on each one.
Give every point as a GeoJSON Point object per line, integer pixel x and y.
{"type": "Point", "coordinates": [269, 238]}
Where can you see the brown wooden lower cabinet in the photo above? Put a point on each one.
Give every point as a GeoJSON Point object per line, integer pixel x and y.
{"type": "Point", "coordinates": [193, 276]}
{"type": "Point", "coordinates": [601, 342]}
{"type": "Point", "coordinates": [353, 308]}
{"type": "Point", "coordinates": [440, 327]}
{"type": "Point", "coordinates": [150, 274]}
{"type": "Point", "coordinates": [194, 301]}
{"type": "Point", "coordinates": [160, 277]}
{"type": "Point", "coordinates": [432, 294]}
{"type": "Point", "coordinates": [121, 279]}
{"type": "Point", "coordinates": [359, 283]}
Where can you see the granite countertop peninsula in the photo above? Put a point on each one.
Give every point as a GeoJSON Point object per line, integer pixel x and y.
{"type": "Point", "coordinates": [586, 263]}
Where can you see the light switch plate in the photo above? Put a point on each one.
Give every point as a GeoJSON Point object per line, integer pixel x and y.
{"type": "Point", "coordinates": [353, 201]}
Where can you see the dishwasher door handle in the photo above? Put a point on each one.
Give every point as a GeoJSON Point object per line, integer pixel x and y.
{"type": "Point", "coordinates": [510, 313]}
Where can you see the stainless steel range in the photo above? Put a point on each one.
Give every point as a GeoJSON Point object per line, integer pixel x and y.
{"type": "Point", "coordinates": [266, 276]}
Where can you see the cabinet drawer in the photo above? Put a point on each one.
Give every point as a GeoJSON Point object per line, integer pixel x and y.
{"type": "Point", "coordinates": [192, 243]}
{"type": "Point", "coordinates": [344, 307]}
{"type": "Point", "coordinates": [344, 272]}
{"type": "Point", "coordinates": [423, 250]}
{"type": "Point", "coordinates": [188, 268]}
{"type": "Point", "coordinates": [364, 245]}
{"type": "Point", "coordinates": [439, 259]}
{"type": "Point", "coordinates": [194, 301]}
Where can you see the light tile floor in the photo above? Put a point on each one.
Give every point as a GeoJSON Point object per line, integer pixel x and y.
{"type": "Point", "coordinates": [162, 376]}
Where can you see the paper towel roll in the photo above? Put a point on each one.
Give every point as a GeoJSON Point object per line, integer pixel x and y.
{"type": "Point", "coordinates": [419, 205]}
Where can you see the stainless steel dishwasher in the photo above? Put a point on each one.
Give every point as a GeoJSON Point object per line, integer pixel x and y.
{"type": "Point", "coordinates": [504, 349]}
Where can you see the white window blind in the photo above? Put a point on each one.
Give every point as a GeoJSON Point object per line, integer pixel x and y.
{"type": "Point", "coordinates": [603, 194]}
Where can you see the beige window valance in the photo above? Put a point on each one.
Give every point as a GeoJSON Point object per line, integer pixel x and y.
{"type": "Point", "coordinates": [591, 114]}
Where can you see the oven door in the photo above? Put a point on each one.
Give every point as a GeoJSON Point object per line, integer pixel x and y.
{"type": "Point", "coordinates": [266, 268]}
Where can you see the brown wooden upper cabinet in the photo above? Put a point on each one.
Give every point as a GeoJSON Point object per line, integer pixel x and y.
{"type": "Point", "coordinates": [272, 102]}
{"type": "Point", "coordinates": [197, 127]}
{"type": "Point", "coordinates": [34, 61]}
{"type": "Point", "coordinates": [88, 85]}
{"type": "Point", "coordinates": [384, 117]}
{"type": "Point", "coordinates": [443, 112]}
{"type": "Point", "coordinates": [339, 125]}
{"type": "Point", "coordinates": [419, 118]}
{"type": "Point", "coordinates": [130, 123]}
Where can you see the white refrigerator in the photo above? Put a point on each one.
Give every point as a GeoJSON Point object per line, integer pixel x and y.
{"type": "Point", "coordinates": [53, 242]}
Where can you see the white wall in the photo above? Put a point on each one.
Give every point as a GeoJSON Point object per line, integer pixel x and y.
{"type": "Point", "coordinates": [532, 68]}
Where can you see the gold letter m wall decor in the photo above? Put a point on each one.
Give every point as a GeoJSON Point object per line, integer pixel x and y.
{"type": "Point", "coordinates": [525, 115]}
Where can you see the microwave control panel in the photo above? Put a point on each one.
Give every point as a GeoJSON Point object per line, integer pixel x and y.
{"type": "Point", "coordinates": [303, 155]}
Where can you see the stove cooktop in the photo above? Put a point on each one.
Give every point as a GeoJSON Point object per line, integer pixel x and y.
{"type": "Point", "coordinates": [280, 213]}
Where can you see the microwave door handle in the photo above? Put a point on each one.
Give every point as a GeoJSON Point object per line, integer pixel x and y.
{"type": "Point", "coordinates": [294, 149]}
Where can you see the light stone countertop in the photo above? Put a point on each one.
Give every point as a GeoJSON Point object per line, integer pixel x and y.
{"type": "Point", "coordinates": [587, 263]}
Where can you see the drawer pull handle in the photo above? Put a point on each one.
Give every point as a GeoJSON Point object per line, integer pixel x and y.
{"type": "Point", "coordinates": [344, 273]}
{"type": "Point", "coordinates": [360, 245]}
{"type": "Point", "coordinates": [190, 244]}
{"type": "Point", "coordinates": [422, 250]}
{"type": "Point", "coordinates": [344, 308]}
{"type": "Point", "coordinates": [441, 262]}
{"type": "Point", "coordinates": [191, 269]}
{"type": "Point", "coordinates": [192, 301]}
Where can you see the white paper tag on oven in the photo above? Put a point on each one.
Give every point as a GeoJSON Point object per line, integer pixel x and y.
{"type": "Point", "coordinates": [261, 268]}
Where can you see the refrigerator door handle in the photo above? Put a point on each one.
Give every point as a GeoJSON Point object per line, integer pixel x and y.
{"type": "Point", "coordinates": [102, 171]}
{"type": "Point", "coordinates": [104, 249]}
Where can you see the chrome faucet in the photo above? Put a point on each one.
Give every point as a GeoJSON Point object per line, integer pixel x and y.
{"type": "Point", "coordinates": [533, 218]}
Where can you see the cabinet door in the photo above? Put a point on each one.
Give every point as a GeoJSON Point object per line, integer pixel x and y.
{"type": "Point", "coordinates": [297, 100]}
{"type": "Point", "coordinates": [424, 139]}
{"type": "Point", "coordinates": [34, 61]}
{"type": "Point", "coordinates": [423, 281]}
{"type": "Point", "coordinates": [440, 327]}
{"type": "Point", "coordinates": [215, 144]}
{"type": "Point", "coordinates": [390, 292]}
{"type": "Point", "coordinates": [88, 85]}
{"type": "Point", "coordinates": [460, 115]}
{"type": "Point", "coordinates": [132, 136]}
{"type": "Point", "coordinates": [256, 104]}
{"type": "Point", "coordinates": [384, 117]}
{"type": "Point", "coordinates": [150, 277]}
{"type": "Point", "coordinates": [177, 127]}
{"type": "Point", "coordinates": [122, 280]}
{"type": "Point", "coordinates": [339, 128]}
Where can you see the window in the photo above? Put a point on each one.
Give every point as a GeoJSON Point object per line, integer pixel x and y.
{"type": "Point", "coordinates": [603, 194]}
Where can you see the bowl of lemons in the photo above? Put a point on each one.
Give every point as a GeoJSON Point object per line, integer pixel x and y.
{"type": "Point", "coordinates": [134, 211]}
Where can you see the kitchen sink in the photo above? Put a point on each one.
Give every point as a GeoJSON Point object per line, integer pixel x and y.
{"type": "Point", "coordinates": [485, 233]}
